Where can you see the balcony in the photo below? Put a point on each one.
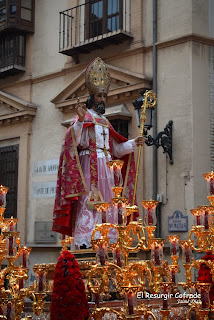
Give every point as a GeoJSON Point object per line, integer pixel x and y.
{"type": "Point", "coordinates": [17, 15]}
{"type": "Point", "coordinates": [12, 54]}
{"type": "Point", "coordinates": [94, 25]}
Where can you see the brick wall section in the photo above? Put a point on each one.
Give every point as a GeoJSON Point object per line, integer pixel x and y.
{"type": "Point", "coordinates": [212, 106]}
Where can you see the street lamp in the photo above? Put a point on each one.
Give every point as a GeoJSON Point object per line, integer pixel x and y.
{"type": "Point", "coordinates": [164, 138]}
{"type": "Point", "coordinates": [137, 105]}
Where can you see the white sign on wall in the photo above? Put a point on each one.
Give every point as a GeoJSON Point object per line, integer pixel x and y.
{"type": "Point", "coordinates": [44, 189]}
{"type": "Point", "coordinates": [45, 167]}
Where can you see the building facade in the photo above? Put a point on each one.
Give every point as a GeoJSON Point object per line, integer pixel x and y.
{"type": "Point", "coordinates": [44, 49]}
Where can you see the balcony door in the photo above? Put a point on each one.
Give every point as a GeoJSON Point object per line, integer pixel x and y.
{"type": "Point", "coordinates": [103, 16]}
{"type": "Point", "coordinates": [9, 157]}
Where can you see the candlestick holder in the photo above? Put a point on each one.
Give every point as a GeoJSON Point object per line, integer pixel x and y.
{"type": "Point", "coordinates": [173, 271]}
{"type": "Point", "coordinates": [118, 254]}
{"type": "Point", "coordinates": [40, 271]}
{"type": "Point", "coordinates": [166, 288]}
{"type": "Point", "coordinates": [198, 217]}
{"type": "Point", "coordinates": [130, 299]}
{"type": "Point", "coordinates": [157, 251]}
{"type": "Point", "coordinates": [115, 167]}
{"type": "Point", "coordinates": [174, 248]}
{"type": "Point", "coordinates": [120, 204]}
{"type": "Point", "coordinates": [131, 211]}
{"type": "Point", "coordinates": [98, 282]}
{"type": "Point", "coordinates": [100, 246]}
{"type": "Point", "coordinates": [99, 313]}
{"type": "Point", "coordinates": [209, 177]}
{"type": "Point", "coordinates": [186, 251]}
{"type": "Point", "coordinates": [24, 253]}
{"type": "Point", "coordinates": [150, 212]}
{"type": "Point", "coordinates": [203, 289]}
{"type": "Point", "coordinates": [102, 209]}
{"type": "Point", "coordinates": [8, 306]}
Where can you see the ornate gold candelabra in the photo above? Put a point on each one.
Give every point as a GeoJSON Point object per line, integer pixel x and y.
{"type": "Point", "coordinates": [120, 238]}
{"type": "Point", "coordinates": [132, 277]}
{"type": "Point", "coordinates": [13, 294]}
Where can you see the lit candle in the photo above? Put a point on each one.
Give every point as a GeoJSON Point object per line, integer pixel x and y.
{"type": "Point", "coordinates": [24, 259]}
{"type": "Point", "coordinates": [116, 176]}
{"type": "Point", "coordinates": [150, 215]}
{"type": "Point", "coordinates": [118, 257]}
{"type": "Point", "coordinates": [21, 284]}
{"type": "Point", "coordinates": [102, 255]}
{"type": "Point", "coordinates": [204, 299]}
{"type": "Point", "coordinates": [198, 220]}
{"type": "Point", "coordinates": [187, 254]}
{"type": "Point", "coordinates": [120, 213]}
{"type": "Point", "coordinates": [211, 185]}
{"type": "Point", "coordinates": [206, 220]}
{"type": "Point", "coordinates": [1, 199]}
{"type": "Point", "coordinates": [8, 315]}
{"type": "Point", "coordinates": [103, 216]}
{"type": "Point", "coordinates": [97, 299]}
{"type": "Point", "coordinates": [173, 275]}
{"type": "Point", "coordinates": [174, 248]}
{"type": "Point", "coordinates": [11, 226]}
{"type": "Point", "coordinates": [165, 303]}
{"type": "Point", "coordinates": [40, 287]}
{"type": "Point", "coordinates": [157, 255]}
{"type": "Point", "coordinates": [130, 298]}
{"type": "Point", "coordinates": [10, 246]}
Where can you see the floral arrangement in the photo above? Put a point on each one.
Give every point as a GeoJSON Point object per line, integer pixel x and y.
{"type": "Point", "coordinates": [68, 300]}
{"type": "Point", "coordinates": [204, 274]}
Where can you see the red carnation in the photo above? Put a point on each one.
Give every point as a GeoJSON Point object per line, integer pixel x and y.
{"type": "Point", "coordinates": [204, 274]}
{"type": "Point", "coordinates": [68, 300]}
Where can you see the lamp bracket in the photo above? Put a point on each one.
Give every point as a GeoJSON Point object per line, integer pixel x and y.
{"type": "Point", "coordinates": [164, 140]}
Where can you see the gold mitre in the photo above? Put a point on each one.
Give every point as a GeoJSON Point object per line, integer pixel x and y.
{"type": "Point", "coordinates": [97, 77]}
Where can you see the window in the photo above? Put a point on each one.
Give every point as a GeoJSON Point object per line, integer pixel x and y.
{"type": "Point", "coordinates": [2, 14]}
{"type": "Point", "coordinates": [9, 177]}
{"type": "Point", "coordinates": [121, 126]}
{"type": "Point", "coordinates": [12, 10]}
{"type": "Point", "coordinates": [104, 16]}
{"type": "Point", "coordinates": [26, 10]}
{"type": "Point", "coordinates": [17, 14]}
{"type": "Point", "coordinates": [12, 50]}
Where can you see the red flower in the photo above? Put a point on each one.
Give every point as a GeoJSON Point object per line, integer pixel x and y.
{"type": "Point", "coordinates": [204, 274]}
{"type": "Point", "coordinates": [68, 299]}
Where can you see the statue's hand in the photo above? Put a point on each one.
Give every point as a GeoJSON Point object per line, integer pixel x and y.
{"type": "Point", "coordinates": [140, 141]}
{"type": "Point", "coordinates": [80, 110]}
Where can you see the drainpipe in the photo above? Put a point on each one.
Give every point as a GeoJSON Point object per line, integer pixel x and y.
{"type": "Point", "coordinates": [154, 121]}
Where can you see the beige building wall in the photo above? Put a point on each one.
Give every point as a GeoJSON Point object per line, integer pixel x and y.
{"type": "Point", "coordinates": [183, 77]}
{"type": "Point", "coordinates": [175, 103]}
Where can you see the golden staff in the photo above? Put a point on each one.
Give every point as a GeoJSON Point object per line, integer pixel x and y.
{"type": "Point", "coordinates": [149, 101]}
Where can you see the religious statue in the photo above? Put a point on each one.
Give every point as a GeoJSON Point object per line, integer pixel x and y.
{"type": "Point", "coordinates": [89, 143]}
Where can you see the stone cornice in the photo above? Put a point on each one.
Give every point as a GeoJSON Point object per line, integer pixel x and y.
{"type": "Point", "coordinates": [69, 69]}
{"type": "Point", "coordinates": [117, 74]}
{"type": "Point", "coordinates": [142, 49]}
{"type": "Point", "coordinates": [15, 109]}
{"type": "Point", "coordinates": [15, 118]}
{"type": "Point", "coordinates": [115, 96]}
{"type": "Point", "coordinates": [186, 38]}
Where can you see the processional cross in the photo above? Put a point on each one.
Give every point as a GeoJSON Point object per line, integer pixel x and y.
{"type": "Point", "coordinates": [104, 134]}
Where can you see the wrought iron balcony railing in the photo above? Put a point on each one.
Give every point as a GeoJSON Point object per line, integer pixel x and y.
{"type": "Point", "coordinates": [92, 25]}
